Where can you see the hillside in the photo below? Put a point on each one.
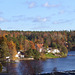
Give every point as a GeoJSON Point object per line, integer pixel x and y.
{"type": "Point", "coordinates": [27, 40]}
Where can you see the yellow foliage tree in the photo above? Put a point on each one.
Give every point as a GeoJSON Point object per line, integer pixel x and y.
{"type": "Point", "coordinates": [21, 47]}
{"type": "Point", "coordinates": [12, 48]}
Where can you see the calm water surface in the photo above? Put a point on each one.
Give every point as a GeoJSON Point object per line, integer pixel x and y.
{"type": "Point", "coordinates": [40, 66]}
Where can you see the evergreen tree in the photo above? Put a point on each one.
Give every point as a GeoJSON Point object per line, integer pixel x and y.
{"type": "Point", "coordinates": [4, 51]}
{"type": "Point", "coordinates": [54, 45]}
{"type": "Point", "coordinates": [64, 50]}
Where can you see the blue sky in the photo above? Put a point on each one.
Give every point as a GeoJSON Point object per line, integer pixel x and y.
{"type": "Point", "coordinates": [37, 15]}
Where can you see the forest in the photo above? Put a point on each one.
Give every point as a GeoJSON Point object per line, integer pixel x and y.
{"type": "Point", "coordinates": [13, 41]}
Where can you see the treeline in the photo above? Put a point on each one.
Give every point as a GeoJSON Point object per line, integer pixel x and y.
{"type": "Point", "coordinates": [26, 41]}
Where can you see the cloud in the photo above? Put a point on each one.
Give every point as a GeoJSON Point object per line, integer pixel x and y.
{"type": "Point", "coordinates": [32, 5]}
{"type": "Point", "coordinates": [2, 19]}
{"type": "Point", "coordinates": [62, 12]}
{"type": "Point", "coordinates": [21, 18]}
{"type": "Point", "coordinates": [39, 19]}
{"type": "Point", "coordinates": [33, 19]}
{"type": "Point", "coordinates": [18, 18]}
{"type": "Point", "coordinates": [48, 5]}
{"type": "Point", "coordinates": [63, 21]}
{"type": "Point", "coordinates": [55, 22]}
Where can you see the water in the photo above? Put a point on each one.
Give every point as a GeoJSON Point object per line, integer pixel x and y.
{"type": "Point", "coordinates": [42, 66]}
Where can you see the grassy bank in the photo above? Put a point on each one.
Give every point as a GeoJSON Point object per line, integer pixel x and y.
{"type": "Point", "coordinates": [51, 55]}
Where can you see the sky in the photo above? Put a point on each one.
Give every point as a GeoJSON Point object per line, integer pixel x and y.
{"type": "Point", "coordinates": [37, 15]}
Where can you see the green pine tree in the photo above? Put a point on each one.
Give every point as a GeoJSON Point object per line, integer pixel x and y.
{"type": "Point", "coordinates": [4, 51]}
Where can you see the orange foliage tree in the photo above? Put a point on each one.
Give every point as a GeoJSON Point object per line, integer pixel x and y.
{"type": "Point", "coordinates": [12, 48]}
{"type": "Point", "coordinates": [32, 45]}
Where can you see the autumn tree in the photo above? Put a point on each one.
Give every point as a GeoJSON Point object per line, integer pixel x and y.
{"type": "Point", "coordinates": [12, 48]}
{"type": "Point", "coordinates": [32, 45]}
{"type": "Point", "coordinates": [21, 47]}
{"type": "Point", "coordinates": [26, 45]}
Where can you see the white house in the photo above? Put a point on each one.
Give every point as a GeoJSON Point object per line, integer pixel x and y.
{"type": "Point", "coordinates": [55, 51]}
{"type": "Point", "coordinates": [49, 50]}
{"type": "Point", "coordinates": [8, 58]}
{"type": "Point", "coordinates": [19, 55]}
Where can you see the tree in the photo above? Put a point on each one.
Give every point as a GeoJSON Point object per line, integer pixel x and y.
{"type": "Point", "coordinates": [32, 46]}
{"type": "Point", "coordinates": [33, 53]}
{"type": "Point", "coordinates": [12, 48]}
{"type": "Point", "coordinates": [69, 38]}
{"type": "Point", "coordinates": [17, 45]}
{"type": "Point", "coordinates": [53, 45]}
{"type": "Point", "coordinates": [26, 45]}
{"type": "Point", "coordinates": [21, 47]}
{"type": "Point", "coordinates": [4, 51]}
{"type": "Point", "coordinates": [59, 46]}
{"type": "Point", "coordinates": [36, 54]}
{"type": "Point", "coordinates": [64, 50]}
{"type": "Point", "coordinates": [69, 45]}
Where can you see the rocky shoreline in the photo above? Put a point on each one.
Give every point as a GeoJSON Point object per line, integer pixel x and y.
{"type": "Point", "coordinates": [52, 73]}
{"type": "Point", "coordinates": [60, 73]}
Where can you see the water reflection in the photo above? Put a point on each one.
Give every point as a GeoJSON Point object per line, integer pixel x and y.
{"type": "Point", "coordinates": [40, 66]}
{"type": "Point", "coordinates": [12, 69]}
{"type": "Point", "coordinates": [29, 67]}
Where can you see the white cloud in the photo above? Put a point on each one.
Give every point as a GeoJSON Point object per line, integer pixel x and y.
{"type": "Point", "coordinates": [1, 19]}
{"type": "Point", "coordinates": [55, 22]}
{"type": "Point", "coordinates": [39, 19]}
{"type": "Point", "coordinates": [31, 5]}
{"type": "Point", "coordinates": [48, 5]}
{"type": "Point", "coordinates": [33, 19]}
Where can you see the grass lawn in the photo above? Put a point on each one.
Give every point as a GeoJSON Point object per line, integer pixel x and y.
{"type": "Point", "coordinates": [50, 55]}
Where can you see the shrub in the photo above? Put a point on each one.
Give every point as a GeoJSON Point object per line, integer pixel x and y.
{"type": "Point", "coordinates": [43, 56]}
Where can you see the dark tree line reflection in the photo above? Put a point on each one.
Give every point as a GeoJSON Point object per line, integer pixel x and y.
{"type": "Point", "coordinates": [29, 67]}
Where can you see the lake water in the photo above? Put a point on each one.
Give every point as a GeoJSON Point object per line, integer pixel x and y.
{"type": "Point", "coordinates": [42, 66]}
